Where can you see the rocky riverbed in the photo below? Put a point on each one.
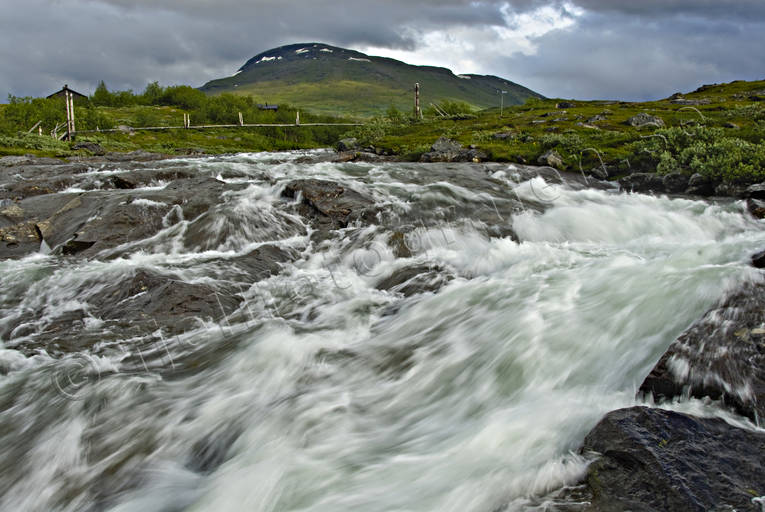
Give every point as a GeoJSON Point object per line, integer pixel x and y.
{"type": "Point", "coordinates": [317, 332]}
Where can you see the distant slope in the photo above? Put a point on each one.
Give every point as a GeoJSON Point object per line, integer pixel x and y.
{"type": "Point", "coordinates": [328, 79]}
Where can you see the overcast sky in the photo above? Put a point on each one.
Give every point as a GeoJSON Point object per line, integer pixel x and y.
{"type": "Point", "coordinates": [635, 50]}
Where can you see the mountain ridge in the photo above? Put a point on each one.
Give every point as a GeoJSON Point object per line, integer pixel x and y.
{"type": "Point", "coordinates": [331, 79]}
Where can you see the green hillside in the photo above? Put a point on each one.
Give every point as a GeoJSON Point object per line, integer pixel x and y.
{"type": "Point", "coordinates": [331, 80]}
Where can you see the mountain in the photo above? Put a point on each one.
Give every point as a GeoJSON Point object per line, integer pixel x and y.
{"type": "Point", "coordinates": [332, 80]}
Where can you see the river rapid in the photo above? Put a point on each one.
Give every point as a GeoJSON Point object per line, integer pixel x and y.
{"type": "Point", "coordinates": [448, 354]}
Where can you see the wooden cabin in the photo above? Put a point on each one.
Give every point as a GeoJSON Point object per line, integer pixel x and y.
{"type": "Point", "coordinates": [62, 93]}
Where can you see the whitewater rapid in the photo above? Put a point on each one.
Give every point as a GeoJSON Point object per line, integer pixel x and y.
{"type": "Point", "coordinates": [324, 392]}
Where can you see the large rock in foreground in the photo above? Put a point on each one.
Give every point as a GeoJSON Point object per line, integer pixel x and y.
{"type": "Point", "coordinates": [721, 356]}
{"type": "Point", "coordinates": [329, 205]}
{"type": "Point", "coordinates": [657, 460]}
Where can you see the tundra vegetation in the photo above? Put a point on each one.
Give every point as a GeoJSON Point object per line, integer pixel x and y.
{"type": "Point", "coordinates": [716, 130]}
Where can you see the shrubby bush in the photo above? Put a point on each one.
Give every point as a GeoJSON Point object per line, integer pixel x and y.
{"type": "Point", "coordinates": [712, 152]}
{"type": "Point", "coordinates": [568, 142]}
{"type": "Point", "coordinates": [21, 114]}
{"type": "Point", "coordinates": [33, 141]}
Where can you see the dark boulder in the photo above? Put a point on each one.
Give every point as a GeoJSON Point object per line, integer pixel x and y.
{"type": "Point", "coordinates": [263, 262]}
{"type": "Point", "coordinates": [721, 356]}
{"type": "Point", "coordinates": [565, 104]}
{"type": "Point", "coordinates": [348, 144]}
{"type": "Point", "coordinates": [170, 302]}
{"type": "Point", "coordinates": [652, 459]}
{"type": "Point", "coordinates": [330, 205]}
{"type": "Point", "coordinates": [134, 156]}
{"type": "Point", "coordinates": [122, 182]}
{"type": "Point", "coordinates": [551, 159]}
{"type": "Point", "coordinates": [758, 260]}
{"type": "Point", "coordinates": [699, 185]}
{"type": "Point", "coordinates": [756, 208]}
{"type": "Point", "coordinates": [642, 182]}
{"type": "Point", "coordinates": [730, 190]}
{"type": "Point", "coordinates": [415, 279]}
{"type": "Point", "coordinates": [92, 147]}
{"type": "Point", "coordinates": [756, 191]}
{"type": "Point", "coordinates": [448, 150]}
{"type": "Point", "coordinates": [675, 182]}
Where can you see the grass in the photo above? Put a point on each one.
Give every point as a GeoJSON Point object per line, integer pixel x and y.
{"type": "Point", "coordinates": [721, 136]}
{"type": "Point", "coordinates": [179, 141]}
{"type": "Point", "coordinates": [523, 133]}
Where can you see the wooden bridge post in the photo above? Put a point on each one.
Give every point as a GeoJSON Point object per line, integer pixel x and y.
{"type": "Point", "coordinates": [417, 112]}
{"type": "Point", "coordinates": [241, 119]}
{"type": "Point", "coordinates": [71, 100]}
{"type": "Point", "coordinates": [68, 116]}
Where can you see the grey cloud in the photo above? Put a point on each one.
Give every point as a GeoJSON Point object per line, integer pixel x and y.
{"type": "Point", "coordinates": [619, 56]}
{"type": "Point", "coordinates": [633, 50]}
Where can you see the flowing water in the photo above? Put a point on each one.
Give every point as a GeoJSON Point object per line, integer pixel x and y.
{"type": "Point", "coordinates": [324, 392]}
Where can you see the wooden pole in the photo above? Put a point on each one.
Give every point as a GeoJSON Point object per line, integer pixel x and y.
{"type": "Point", "coordinates": [68, 116]}
{"type": "Point", "coordinates": [71, 99]}
{"type": "Point", "coordinates": [35, 126]}
{"type": "Point", "coordinates": [297, 119]}
{"type": "Point", "coordinates": [417, 112]}
{"type": "Point", "coordinates": [241, 119]}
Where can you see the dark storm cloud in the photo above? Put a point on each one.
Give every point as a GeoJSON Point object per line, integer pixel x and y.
{"type": "Point", "coordinates": [616, 49]}
{"type": "Point", "coordinates": [643, 55]}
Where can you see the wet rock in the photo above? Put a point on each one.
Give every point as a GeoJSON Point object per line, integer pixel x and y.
{"type": "Point", "coordinates": [652, 459]}
{"type": "Point", "coordinates": [134, 156]}
{"type": "Point", "coordinates": [643, 119]}
{"type": "Point", "coordinates": [208, 453]}
{"type": "Point", "coordinates": [415, 279]}
{"type": "Point", "coordinates": [599, 172]}
{"type": "Point", "coordinates": [756, 191]}
{"type": "Point", "coordinates": [730, 190]}
{"type": "Point", "coordinates": [92, 147]}
{"type": "Point", "coordinates": [13, 161]}
{"type": "Point", "coordinates": [195, 196]}
{"type": "Point", "coordinates": [265, 261]}
{"type": "Point", "coordinates": [122, 182]}
{"type": "Point", "coordinates": [448, 150]}
{"type": "Point", "coordinates": [348, 144]}
{"type": "Point", "coordinates": [756, 208]}
{"type": "Point", "coordinates": [551, 158]}
{"type": "Point", "coordinates": [330, 205]}
{"type": "Point", "coordinates": [758, 260]}
{"type": "Point", "coordinates": [18, 240]}
{"type": "Point", "coordinates": [170, 302]}
{"type": "Point", "coordinates": [675, 182]}
{"type": "Point", "coordinates": [397, 241]}
{"type": "Point", "coordinates": [443, 150]}
{"type": "Point", "coordinates": [699, 185]}
{"type": "Point", "coordinates": [642, 182]}
{"type": "Point", "coordinates": [721, 356]}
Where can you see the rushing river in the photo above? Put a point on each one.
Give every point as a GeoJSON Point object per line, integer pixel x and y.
{"type": "Point", "coordinates": [470, 389]}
